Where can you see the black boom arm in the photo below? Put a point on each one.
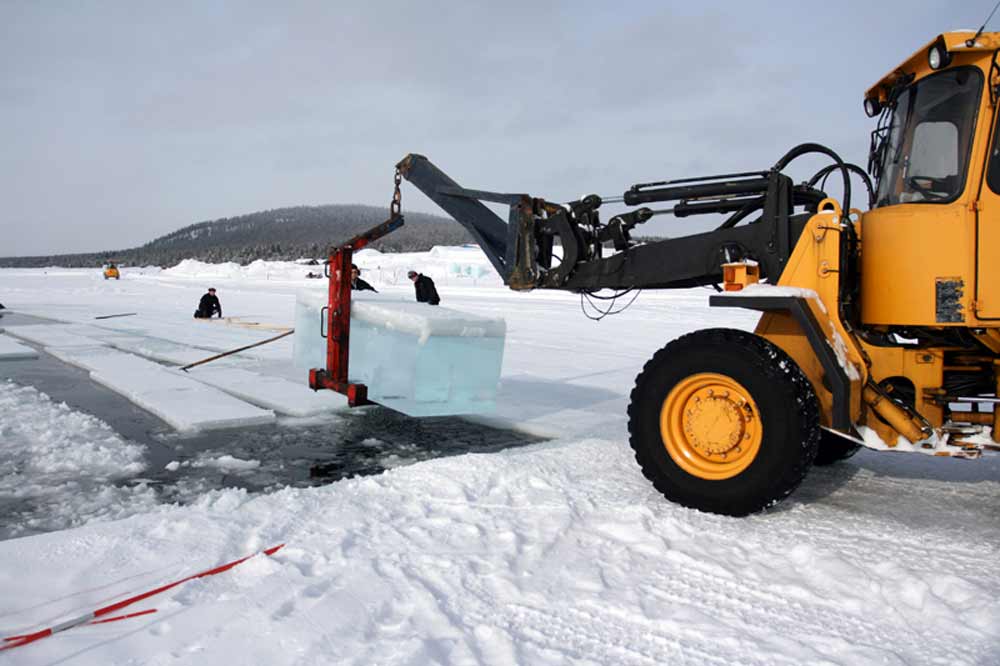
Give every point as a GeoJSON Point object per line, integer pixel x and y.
{"type": "Point", "coordinates": [545, 245]}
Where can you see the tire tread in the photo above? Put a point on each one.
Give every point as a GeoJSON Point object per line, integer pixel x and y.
{"type": "Point", "coordinates": [777, 368]}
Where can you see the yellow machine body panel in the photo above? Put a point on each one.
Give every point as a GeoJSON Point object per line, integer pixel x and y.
{"type": "Point", "coordinates": [987, 214]}
{"type": "Point", "coordinates": [111, 273]}
{"type": "Point", "coordinates": [813, 268]}
{"type": "Point", "coordinates": [927, 261]}
{"type": "Point", "coordinates": [918, 266]}
{"type": "Point", "coordinates": [923, 367]}
{"type": "Point", "coordinates": [987, 292]}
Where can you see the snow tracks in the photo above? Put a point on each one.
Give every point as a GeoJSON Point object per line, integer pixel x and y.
{"type": "Point", "coordinates": [549, 555]}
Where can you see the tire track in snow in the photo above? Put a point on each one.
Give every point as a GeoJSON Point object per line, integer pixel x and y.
{"type": "Point", "coordinates": [741, 604]}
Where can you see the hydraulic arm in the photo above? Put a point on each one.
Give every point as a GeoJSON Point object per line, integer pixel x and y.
{"type": "Point", "coordinates": [894, 343]}
{"type": "Point", "coordinates": [546, 245]}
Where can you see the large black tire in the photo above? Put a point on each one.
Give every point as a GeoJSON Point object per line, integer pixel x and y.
{"type": "Point", "coordinates": [788, 420]}
{"type": "Point", "coordinates": [833, 448]}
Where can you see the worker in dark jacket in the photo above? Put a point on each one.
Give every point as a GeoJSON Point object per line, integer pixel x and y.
{"type": "Point", "coordinates": [357, 284]}
{"type": "Point", "coordinates": [208, 305]}
{"type": "Point", "coordinates": [426, 293]}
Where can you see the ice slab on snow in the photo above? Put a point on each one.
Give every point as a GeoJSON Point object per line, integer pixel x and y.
{"type": "Point", "coordinates": [56, 335]}
{"type": "Point", "coordinates": [157, 349]}
{"type": "Point", "coordinates": [78, 356]}
{"type": "Point", "coordinates": [73, 336]}
{"type": "Point", "coordinates": [277, 393]}
{"type": "Point", "coordinates": [10, 350]}
{"type": "Point", "coordinates": [418, 359]}
{"type": "Point", "coordinates": [214, 335]}
{"type": "Point", "coordinates": [181, 401]}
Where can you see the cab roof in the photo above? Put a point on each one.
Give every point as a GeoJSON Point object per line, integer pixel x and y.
{"type": "Point", "coordinates": [954, 42]}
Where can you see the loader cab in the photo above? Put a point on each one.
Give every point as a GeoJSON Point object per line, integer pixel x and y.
{"type": "Point", "coordinates": [920, 152]}
{"type": "Point", "coordinates": [931, 243]}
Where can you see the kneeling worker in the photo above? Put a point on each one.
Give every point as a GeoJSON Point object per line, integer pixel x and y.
{"type": "Point", "coordinates": [208, 305]}
{"type": "Point", "coordinates": [357, 284]}
{"type": "Point", "coordinates": [426, 292]}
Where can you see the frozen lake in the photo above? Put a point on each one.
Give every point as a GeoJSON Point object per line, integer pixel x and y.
{"type": "Point", "coordinates": [295, 452]}
{"type": "Point", "coordinates": [552, 552]}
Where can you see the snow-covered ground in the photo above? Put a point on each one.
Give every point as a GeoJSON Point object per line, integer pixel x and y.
{"type": "Point", "coordinates": [559, 552]}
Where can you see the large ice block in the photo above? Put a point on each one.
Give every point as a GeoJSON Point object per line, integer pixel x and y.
{"type": "Point", "coordinates": [419, 359]}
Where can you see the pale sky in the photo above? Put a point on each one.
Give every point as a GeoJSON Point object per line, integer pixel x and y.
{"type": "Point", "coordinates": [125, 121]}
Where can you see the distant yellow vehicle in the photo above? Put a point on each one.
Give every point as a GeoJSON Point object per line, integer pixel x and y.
{"type": "Point", "coordinates": [111, 271]}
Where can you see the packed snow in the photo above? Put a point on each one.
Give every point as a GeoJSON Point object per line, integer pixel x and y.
{"type": "Point", "coordinates": [559, 552]}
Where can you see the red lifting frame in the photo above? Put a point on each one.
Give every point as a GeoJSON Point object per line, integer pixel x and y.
{"type": "Point", "coordinates": [337, 317]}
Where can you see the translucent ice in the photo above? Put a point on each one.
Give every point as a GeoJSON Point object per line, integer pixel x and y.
{"type": "Point", "coordinates": [10, 350]}
{"type": "Point", "coordinates": [418, 359]}
{"type": "Point", "coordinates": [277, 393]}
{"type": "Point", "coordinates": [55, 335]}
{"type": "Point", "coordinates": [177, 399]}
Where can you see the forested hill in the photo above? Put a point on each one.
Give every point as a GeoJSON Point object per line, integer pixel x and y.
{"type": "Point", "coordinates": [282, 233]}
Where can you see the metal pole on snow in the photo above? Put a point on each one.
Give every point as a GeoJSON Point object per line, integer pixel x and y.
{"type": "Point", "coordinates": [234, 351]}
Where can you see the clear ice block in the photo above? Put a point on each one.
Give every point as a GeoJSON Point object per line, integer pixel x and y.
{"type": "Point", "coordinates": [418, 359]}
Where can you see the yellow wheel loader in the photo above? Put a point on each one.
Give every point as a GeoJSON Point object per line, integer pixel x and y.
{"type": "Point", "coordinates": [878, 327]}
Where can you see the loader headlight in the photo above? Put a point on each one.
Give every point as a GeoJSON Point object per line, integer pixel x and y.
{"type": "Point", "coordinates": [872, 107]}
{"type": "Point", "coordinates": [938, 57]}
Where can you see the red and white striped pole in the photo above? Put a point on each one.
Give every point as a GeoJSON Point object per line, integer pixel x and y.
{"type": "Point", "coordinates": [98, 616]}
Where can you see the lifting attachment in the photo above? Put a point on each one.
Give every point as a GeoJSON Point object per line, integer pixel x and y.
{"type": "Point", "coordinates": [335, 323]}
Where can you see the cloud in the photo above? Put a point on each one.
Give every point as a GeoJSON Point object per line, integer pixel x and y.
{"type": "Point", "coordinates": [124, 121]}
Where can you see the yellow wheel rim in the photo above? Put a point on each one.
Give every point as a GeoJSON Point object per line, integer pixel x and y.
{"type": "Point", "coordinates": [711, 426]}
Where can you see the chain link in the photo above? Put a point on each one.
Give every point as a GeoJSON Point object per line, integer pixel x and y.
{"type": "Point", "coordinates": [396, 206]}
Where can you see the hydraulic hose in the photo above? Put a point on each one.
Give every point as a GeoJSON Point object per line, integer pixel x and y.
{"type": "Point", "coordinates": [825, 171]}
{"type": "Point", "coordinates": [805, 149]}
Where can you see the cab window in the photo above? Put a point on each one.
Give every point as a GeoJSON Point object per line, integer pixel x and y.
{"type": "Point", "coordinates": [924, 157]}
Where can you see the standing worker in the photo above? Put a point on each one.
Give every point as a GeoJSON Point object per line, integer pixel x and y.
{"type": "Point", "coordinates": [357, 284]}
{"type": "Point", "coordinates": [426, 293]}
{"type": "Point", "coordinates": [208, 305]}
